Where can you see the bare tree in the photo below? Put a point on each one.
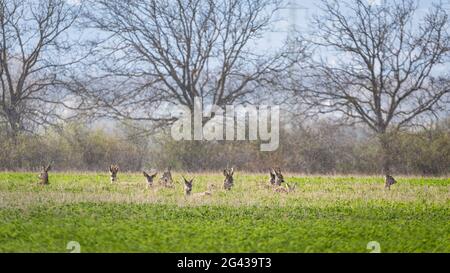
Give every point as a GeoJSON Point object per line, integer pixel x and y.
{"type": "Point", "coordinates": [163, 53]}
{"type": "Point", "coordinates": [35, 54]}
{"type": "Point", "coordinates": [379, 64]}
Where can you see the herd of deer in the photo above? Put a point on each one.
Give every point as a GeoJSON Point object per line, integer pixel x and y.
{"type": "Point", "coordinates": [276, 181]}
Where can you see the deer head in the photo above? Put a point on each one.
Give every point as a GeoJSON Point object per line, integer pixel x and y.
{"type": "Point", "coordinates": [211, 187]}
{"type": "Point", "coordinates": [166, 179]}
{"type": "Point", "coordinates": [44, 174]}
{"type": "Point", "coordinates": [389, 181]}
{"type": "Point", "coordinates": [150, 178]}
{"type": "Point", "coordinates": [188, 186]}
{"type": "Point", "coordinates": [273, 177]}
{"type": "Point", "coordinates": [113, 170]}
{"type": "Point", "coordinates": [291, 187]}
{"type": "Point", "coordinates": [228, 182]}
{"type": "Point", "coordinates": [279, 179]}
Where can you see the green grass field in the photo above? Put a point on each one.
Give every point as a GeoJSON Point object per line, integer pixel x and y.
{"type": "Point", "coordinates": [325, 214]}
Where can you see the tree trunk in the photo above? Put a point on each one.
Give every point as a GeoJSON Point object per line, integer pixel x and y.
{"type": "Point", "coordinates": [13, 135]}
{"type": "Point", "coordinates": [14, 123]}
{"type": "Point", "coordinates": [386, 154]}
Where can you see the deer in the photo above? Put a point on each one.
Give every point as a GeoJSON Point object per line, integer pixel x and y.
{"type": "Point", "coordinates": [273, 177]}
{"type": "Point", "coordinates": [389, 181]}
{"type": "Point", "coordinates": [187, 186]}
{"type": "Point", "coordinates": [149, 178]}
{"type": "Point", "coordinates": [276, 177]}
{"type": "Point", "coordinates": [228, 182]}
{"type": "Point", "coordinates": [188, 189]}
{"type": "Point", "coordinates": [43, 177]}
{"type": "Point", "coordinates": [287, 189]}
{"type": "Point", "coordinates": [166, 179]}
{"type": "Point", "coordinates": [113, 170]}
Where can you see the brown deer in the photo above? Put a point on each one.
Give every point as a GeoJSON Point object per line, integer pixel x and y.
{"type": "Point", "coordinates": [166, 179]}
{"type": "Point", "coordinates": [287, 189]}
{"type": "Point", "coordinates": [150, 178]}
{"type": "Point", "coordinates": [188, 186]}
{"type": "Point", "coordinates": [273, 177]}
{"type": "Point", "coordinates": [188, 189]}
{"type": "Point", "coordinates": [389, 182]}
{"type": "Point", "coordinates": [43, 177]}
{"type": "Point", "coordinates": [228, 182]}
{"type": "Point", "coordinates": [113, 170]}
{"type": "Point", "coordinates": [277, 177]}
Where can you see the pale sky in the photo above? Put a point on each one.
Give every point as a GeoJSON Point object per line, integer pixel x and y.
{"type": "Point", "coordinates": [299, 14]}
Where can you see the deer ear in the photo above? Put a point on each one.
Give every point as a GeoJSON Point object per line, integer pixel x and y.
{"type": "Point", "coordinates": [154, 175]}
{"type": "Point", "coordinates": [232, 171]}
{"type": "Point", "coordinates": [225, 172]}
{"type": "Point", "coordinates": [48, 168]}
{"type": "Point", "coordinates": [144, 173]}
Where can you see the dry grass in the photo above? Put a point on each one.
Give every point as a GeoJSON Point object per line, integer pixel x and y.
{"type": "Point", "coordinates": [249, 190]}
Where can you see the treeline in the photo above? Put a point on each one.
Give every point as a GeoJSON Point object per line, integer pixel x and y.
{"type": "Point", "coordinates": [144, 61]}
{"type": "Point", "coordinates": [322, 148]}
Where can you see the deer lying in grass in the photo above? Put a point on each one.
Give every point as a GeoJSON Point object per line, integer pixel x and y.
{"type": "Point", "coordinates": [188, 189]}
{"type": "Point", "coordinates": [273, 177]}
{"type": "Point", "coordinates": [113, 170]}
{"type": "Point", "coordinates": [288, 188]}
{"type": "Point", "coordinates": [43, 177]}
{"type": "Point", "coordinates": [187, 186]}
{"type": "Point", "coordinates": [276, 181]}
{"type": "Point", "coordinates": [389, 182]}
{"type": "Point", "coordinates": [228, 182]}
{"type": "Point", "coordinates": [166, 179]}
{"type": "Point", "coordinates": [276, 177]}
{"type": "Point", "coordinates": [150, 178]}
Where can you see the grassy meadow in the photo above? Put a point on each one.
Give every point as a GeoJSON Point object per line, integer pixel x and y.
{"type": "Point", "coordinates": [324, 214]}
